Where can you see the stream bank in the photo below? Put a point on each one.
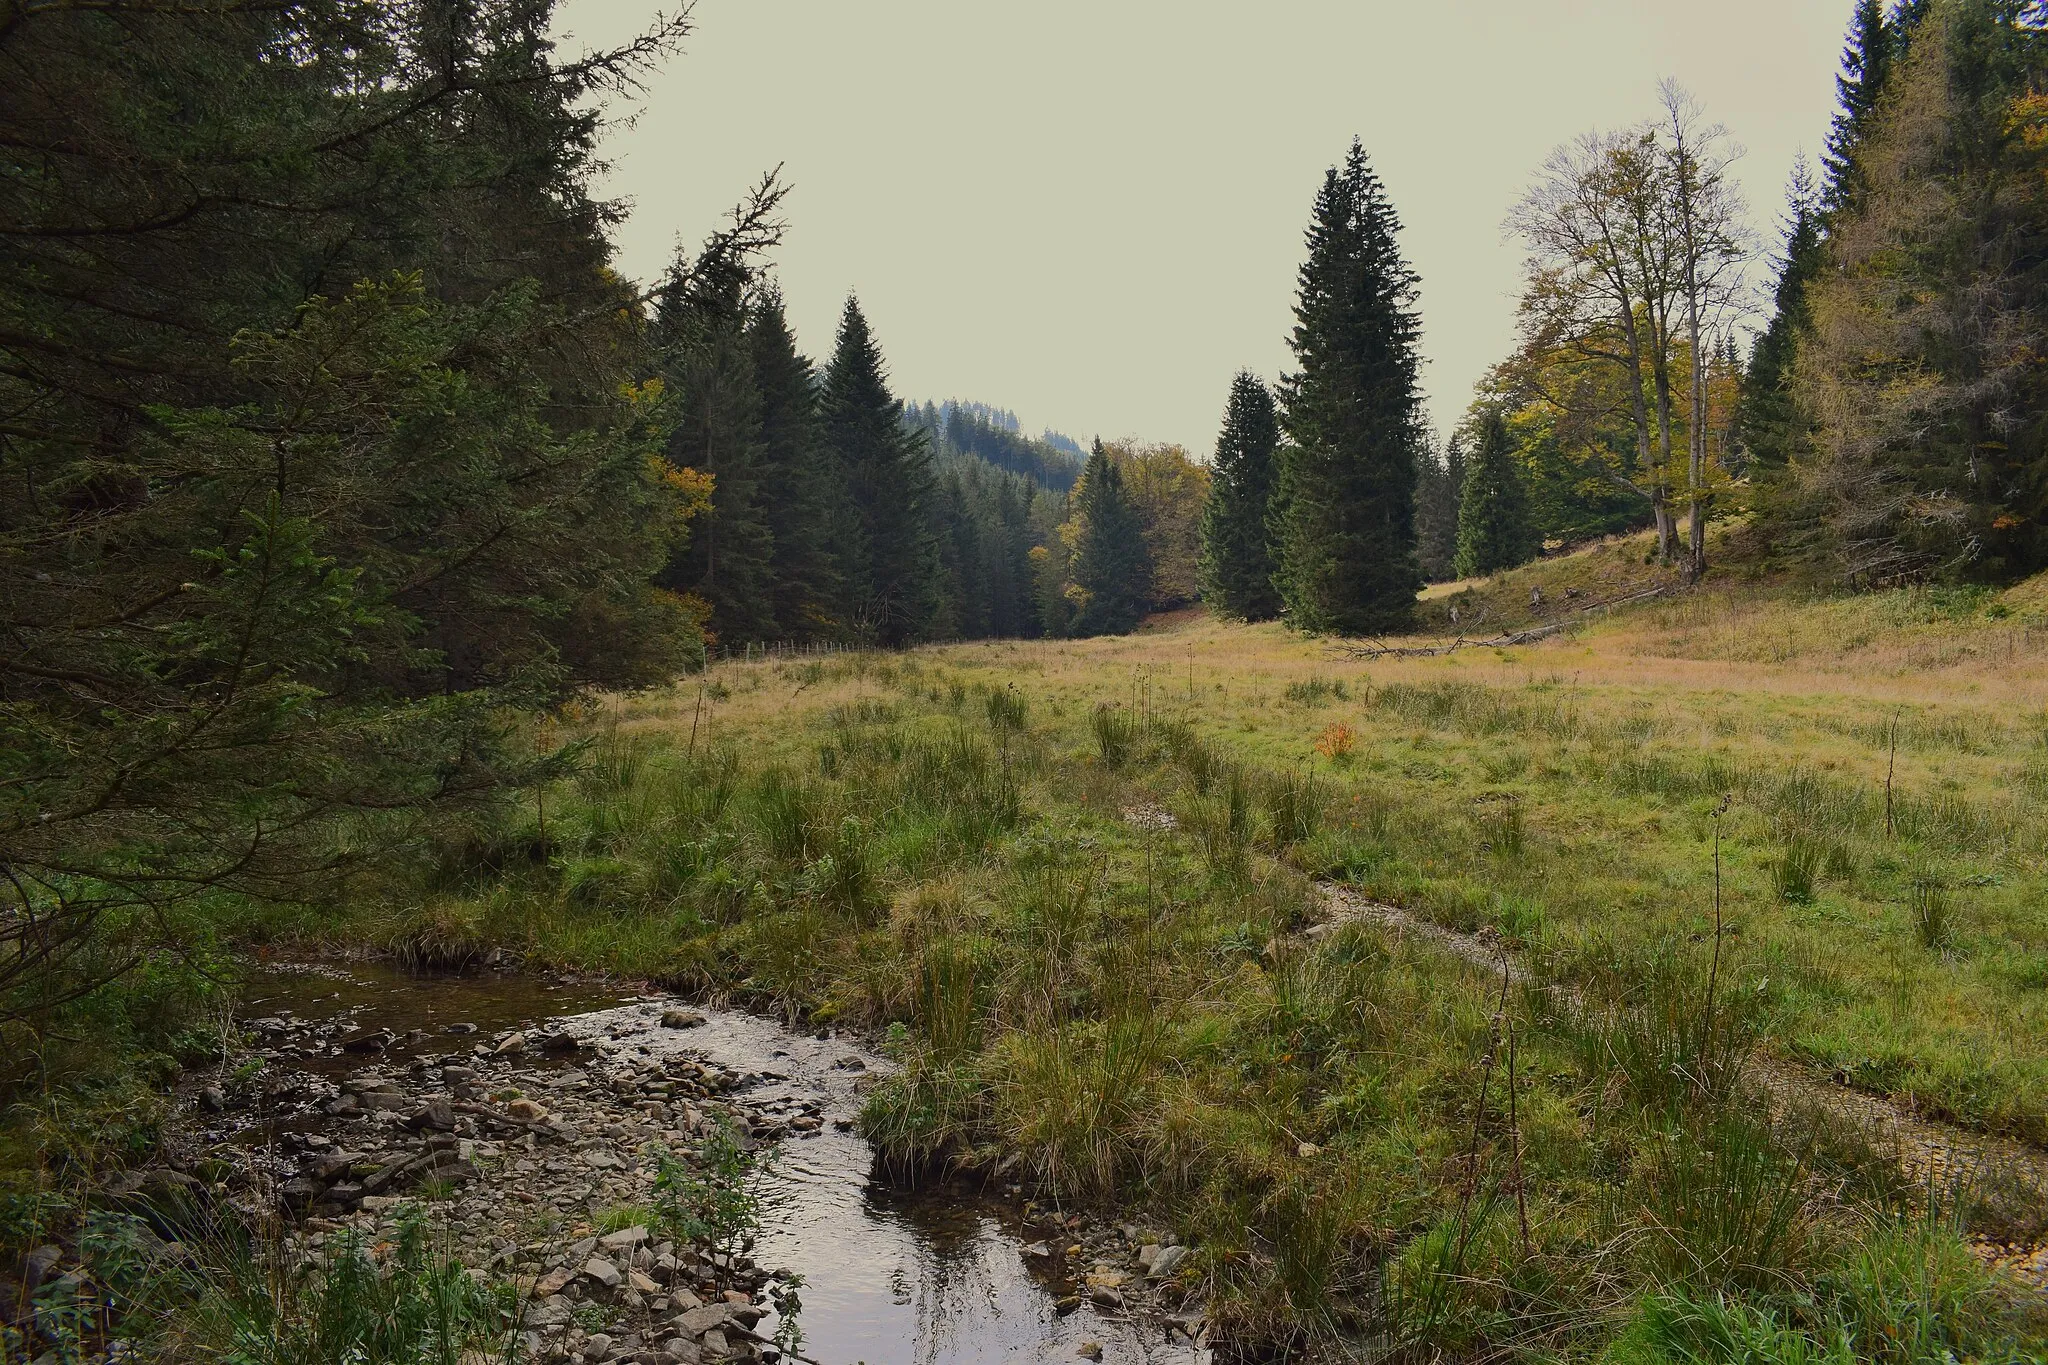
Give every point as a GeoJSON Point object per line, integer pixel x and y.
{"type": "Point", "coordinates": [529, 1118]}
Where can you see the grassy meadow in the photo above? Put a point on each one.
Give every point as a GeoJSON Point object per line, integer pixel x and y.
{"type": "Point", "coordinates": [1069, 883]}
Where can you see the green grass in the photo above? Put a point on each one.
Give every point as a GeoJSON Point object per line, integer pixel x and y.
{"type": "Point", "coordinates": [969, 850]}
{"type": "Point", "coordinates": [974, 851]}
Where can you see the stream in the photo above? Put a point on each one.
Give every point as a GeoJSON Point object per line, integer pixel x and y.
{"type": "Point", "coordinates": [937, 1275]}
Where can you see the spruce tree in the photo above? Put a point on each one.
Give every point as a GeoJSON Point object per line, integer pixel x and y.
{"type": "Point", "coordinates": [802, 483]}
{"type": "Point", "coordinates": [1439, 483]}
{"type": "Point", "coordinates": [1495, 529]}
{"type": "Point", "coordinates": [1769, 430]}
{"type": "Point", "coordinates": [1876, 48]}
{"type": "Point", "coordinates": [1112, 569]}
{"type": "Point", "coordinates": [1237, 561]}
{"type": "Point", "coordinates": [709, 371]}
{"type": "Point", "coordinates": [890, 551]}
{"type": "Point", "coordinates": [1347, 561]}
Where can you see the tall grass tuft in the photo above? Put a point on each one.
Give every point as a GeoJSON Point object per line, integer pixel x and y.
{"type": "Point", "coordinates": [785, 812]}
{"type": "Point", "coordinates": [1310, 691]}
{"type": "Point", "coordinates": [845, 876]}
{"type": "Point", "coordinates": [1006, 710]}
{"type": "Point", "coordinates": [419, 1306]}
{"type": "Point", "coordinates": [1795, 872]}
{"type": "Point", "coordinates": [1676, 1047]}
{"type": "Point", "coordinates": [1116, 734]}
{"type": "Point", "coordinates": [948, 1004]}
{"type": "Point", "coordinates": [1933, 917]}
{"type": "Point", "coordinates": [1295, 803]}
{"type": "Point", "coordinates": [1223, 823]}
{"type": "Point", "coordinates": [1502, 828]}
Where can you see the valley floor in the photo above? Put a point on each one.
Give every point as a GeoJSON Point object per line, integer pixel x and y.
{"type": "Point", "coordinates": [1748, 834]}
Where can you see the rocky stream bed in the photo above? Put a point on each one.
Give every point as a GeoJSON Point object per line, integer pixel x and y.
{"type": "Point", "coordinates": [527, 1119]}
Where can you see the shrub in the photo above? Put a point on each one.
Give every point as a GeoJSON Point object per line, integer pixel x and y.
{"type": "Point", "coordinates": [713, 1200]}
{"type": "Point", "coordinates": [1336, 742]}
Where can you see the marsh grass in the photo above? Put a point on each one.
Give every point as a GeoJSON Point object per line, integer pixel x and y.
{"type": "Point", "coordinates": [1932, 915]}
{"type": "Point", "coordinates": [1795, 872]}
{"type": "Point", "coordinates": [1116, 734]}
{"type": "Point", "coordinates": [1296, 804]}
{"type": "Point", "coordinates": [1132, 1009]}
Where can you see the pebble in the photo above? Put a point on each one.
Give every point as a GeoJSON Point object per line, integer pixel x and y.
{"type": "Point", "coordinates": [393, 1126]}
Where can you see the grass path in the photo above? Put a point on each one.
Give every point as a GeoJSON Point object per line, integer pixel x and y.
{"type": "Point", "coordinates": [1952, 1159]}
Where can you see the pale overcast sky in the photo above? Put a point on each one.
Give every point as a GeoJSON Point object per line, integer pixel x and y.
{"type": "Point", "coordinates": [1091, 211]}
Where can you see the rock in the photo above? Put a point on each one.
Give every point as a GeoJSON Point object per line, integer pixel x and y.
{"type": "Point", "coordinates": [378, 1203]}
{"type": "Point", "coordinates": [640, 1284]}
{"type": "Point", "coordinates": [510, 1045]}
{"type": "Point", "coordinates": [597, 1346]}
{"type": "Point", "coordinates": [459, 1028]}
{"type": "Point", "coordinates": [37, 1265]}
{"type": "Point", "coordinates": [213, 1099]}
{"type": "Point", "coordinates": [681, 1019]}
{"type": "Point", "coordinates": [1037, 1249]}
{"type": "Point", "coordinates": [559, 1042]}
{"type": "Point", "coordinates": [341, 1105]}
{"type": "Point", "coordinates": [329, 1165]}
{"type": "Point", "coordinates": [374, 1041]}
{"type": "Point", "coordinates": [714, 1341]}
{"type": "Point", "coordinates": [526, 1110]}
{"type": "Point", "coordinates": [1106, 1296]}
{"type": "Point", "coordinates": [1089, 1350]}
{"type": "Point", "coordinates": [698, 1321]}
{"type": "Point", "coordinates": [682, 1351]}
{"type": "Point", "coordinates": [1167, 1261]}
{"type": "Point", "coordinates": [603, 1271]}
{"type": "Point", "coordinates": [437, 1114]}
{"type": "Point", "coordinates": [582, 1249]}
{"type": "Point", "coordinates": [625, 1239]}
{"type": "Point", "coordinates": [553, 1283]}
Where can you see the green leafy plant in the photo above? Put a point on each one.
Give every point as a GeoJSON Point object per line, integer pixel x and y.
{"type": "Point", "coordinates": [714, 1200]}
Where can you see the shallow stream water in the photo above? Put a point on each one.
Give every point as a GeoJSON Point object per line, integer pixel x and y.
{"type": "Point", "coordinates": [934, 1276]}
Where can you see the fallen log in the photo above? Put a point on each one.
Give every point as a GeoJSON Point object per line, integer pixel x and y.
{"type": "Point", "coordinates": [1380, 649]}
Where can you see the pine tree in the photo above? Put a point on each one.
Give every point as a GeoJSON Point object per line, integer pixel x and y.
{"type": "Point", "coordinates": [890, 550]}
{"type": "Point", "coordinates": [1347, 561]}
{"type": "Point", "coordinates": [1495, 529]}
{"type": "Point", "coordinates": [1237, 561]}
{"type": "Point", "coordinates": [1112, 571]}
{"type": "Point", "coordinates": [802, 482]}
{"type": "Point", "coordinates": [1439, 484]}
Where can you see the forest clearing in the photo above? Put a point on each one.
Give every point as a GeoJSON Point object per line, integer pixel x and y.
{"type": "Point", "coordinates": [570, 794]}
{"type": "Point", "coordinates": [1086, 873]}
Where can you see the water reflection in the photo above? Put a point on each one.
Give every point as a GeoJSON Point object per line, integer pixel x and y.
{"type": "Point", "coordinates": [891, 1277]}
